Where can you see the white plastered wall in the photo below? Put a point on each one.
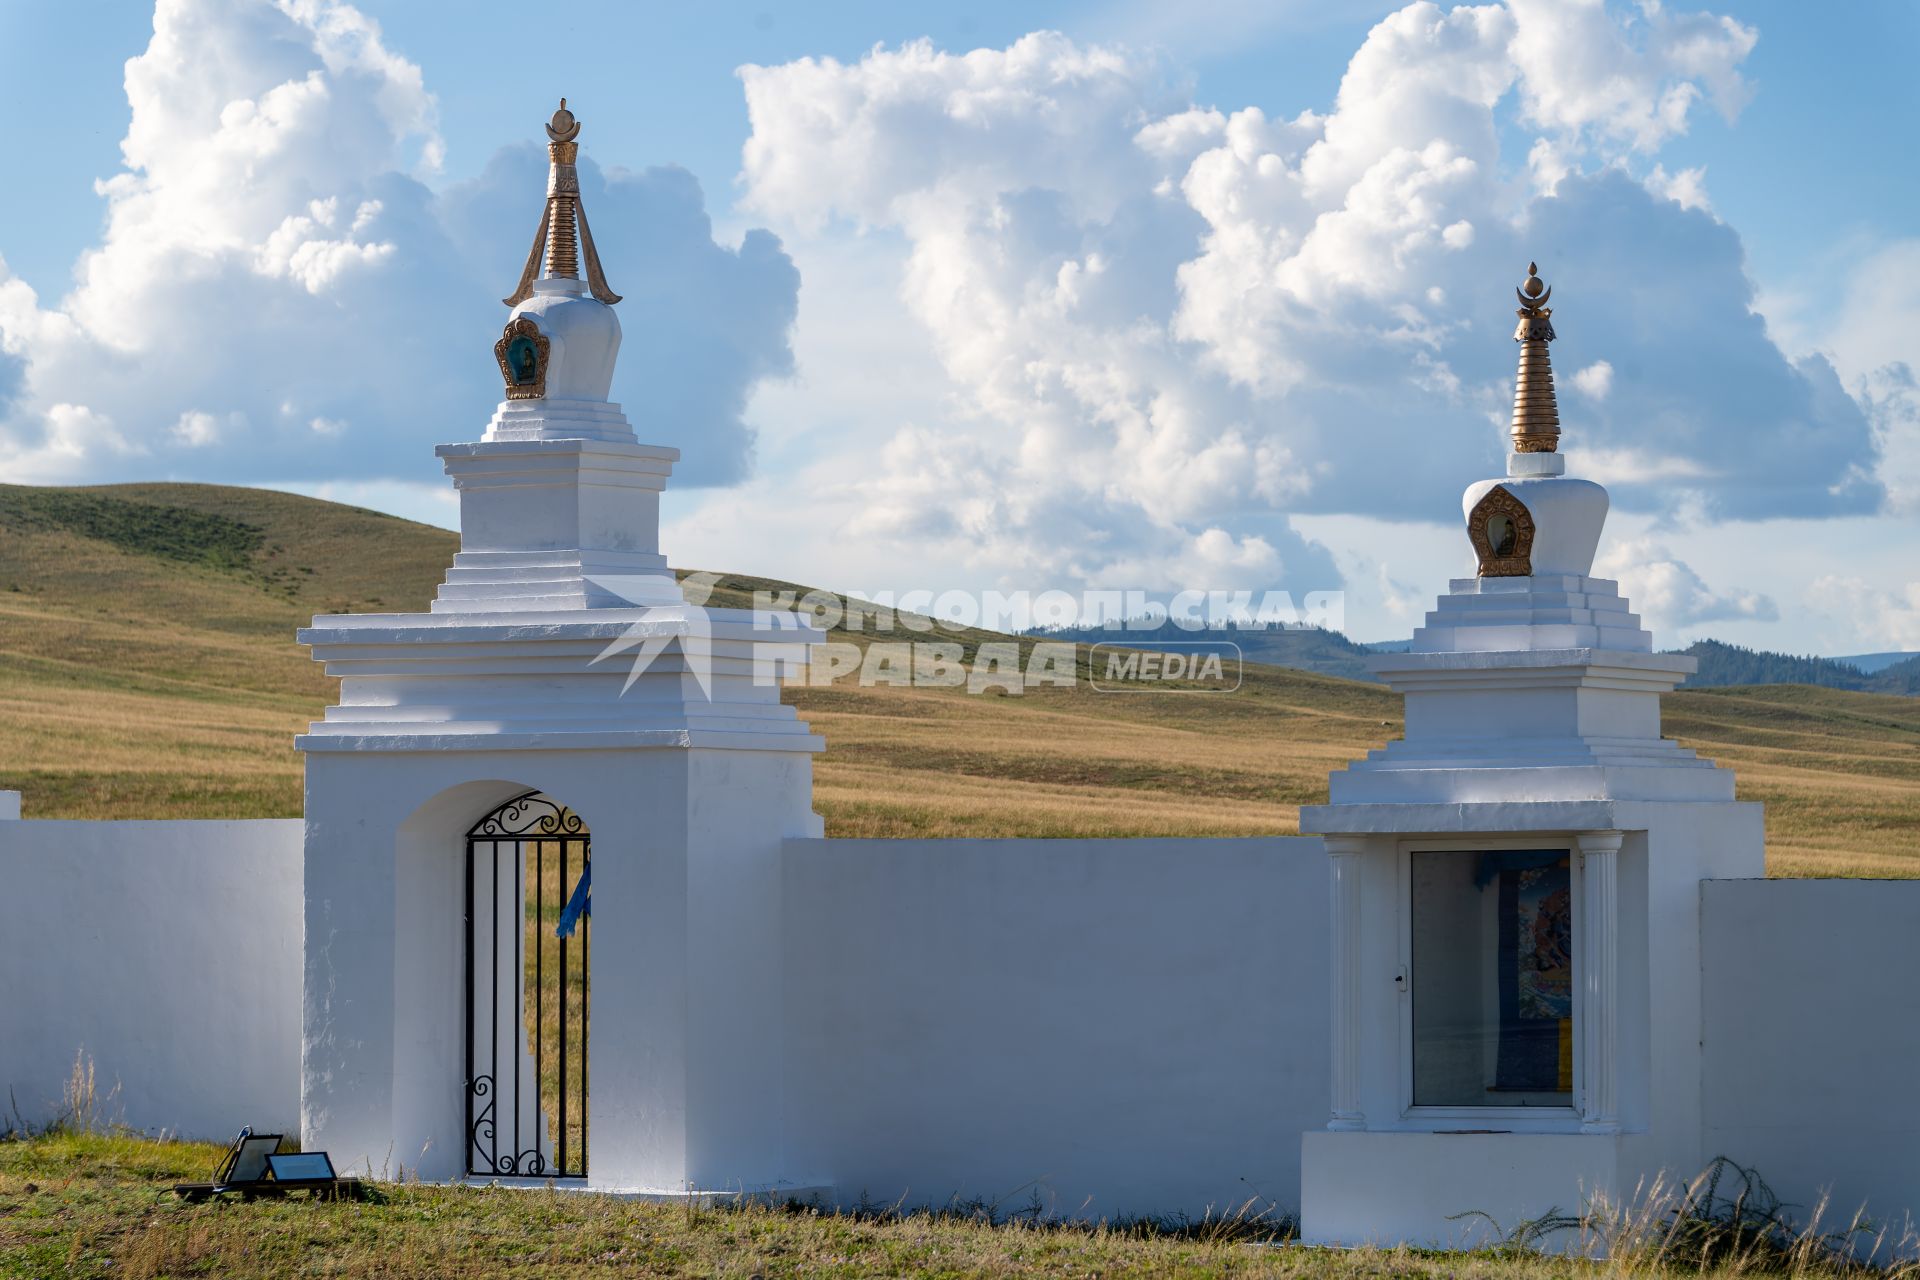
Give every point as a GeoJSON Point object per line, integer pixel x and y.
{"type": "Point", "coordinates": [169, 954]}
{"type": "Point", "coordinates": [1120, 1026]}
{"type": "Point", "coordinates": [1811, 1041]}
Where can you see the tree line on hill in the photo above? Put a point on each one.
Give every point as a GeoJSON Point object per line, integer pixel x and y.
{"type": "Point", "coordinates": [1723, 664]}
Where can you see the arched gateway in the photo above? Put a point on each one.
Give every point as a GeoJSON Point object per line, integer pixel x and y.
{"type": "Point", "coordinates": [559, 665]}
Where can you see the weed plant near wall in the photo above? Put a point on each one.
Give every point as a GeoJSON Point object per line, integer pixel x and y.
{"type": "Point", "coordinates": [1726, 1221]}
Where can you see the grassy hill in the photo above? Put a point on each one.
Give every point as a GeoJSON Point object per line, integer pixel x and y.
{"type": "Point", "coordinates": [148, 669]}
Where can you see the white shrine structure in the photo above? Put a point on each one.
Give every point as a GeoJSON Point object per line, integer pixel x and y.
{"type": "Point", "coordinates": [688, 776]}
{"type": "Point", "coordinates": [1552, 971]}
{"type": "Point", "coordinates": [1515, 882]}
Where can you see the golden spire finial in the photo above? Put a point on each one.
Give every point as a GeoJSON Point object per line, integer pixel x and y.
{"type": "Point", "coordinates": [563, 233]}
{"type": "Point", "coordinates": [1536, 413]}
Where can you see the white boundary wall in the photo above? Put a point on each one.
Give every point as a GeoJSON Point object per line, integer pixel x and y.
{"type": "Point", "coordinates": [1812, 1042]}
{"type": "Point", "coordinates": [1122, 1026]}
{"type": "Point", "coordinates": [169, 952]}
{"type": "Point", "coordinates": [1125, 1026]}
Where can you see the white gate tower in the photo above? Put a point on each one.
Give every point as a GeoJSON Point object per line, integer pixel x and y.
{"type": "Point", "coordinates": [673, 749]}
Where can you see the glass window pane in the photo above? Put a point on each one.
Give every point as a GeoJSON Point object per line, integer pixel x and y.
{"type": "Point", "coordinates": [1493, 982]}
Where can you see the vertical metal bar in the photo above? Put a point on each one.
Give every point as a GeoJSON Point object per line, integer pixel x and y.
{"type": "Point", "coordinates": [519, 917]}
{"type": "Point", "coordinates": [493, 963]}
{"type": "Point", "coordinates": [563, 1021]}
{"type": "Point", "coordinates": [586, 998]}
{"type": "Point", "coordinates": [539, 969]}
{"type": "Point", "coordinates": [470, 1024]}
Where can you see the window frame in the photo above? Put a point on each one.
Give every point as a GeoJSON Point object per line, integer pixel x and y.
{"type": "Point", "coordinates": [1531, 1119]}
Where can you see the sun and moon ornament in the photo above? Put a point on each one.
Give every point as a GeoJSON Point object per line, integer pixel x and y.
{"type": "Point", "coordinates": [1500, 525]}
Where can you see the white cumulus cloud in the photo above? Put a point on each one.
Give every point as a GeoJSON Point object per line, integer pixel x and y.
{"type": "Point", "coordinates": [197, 430]}
{"type": "Point", "coordinates": [1877, 617]}
{"type": "Point", "coordinates": [275, 267]}
{"type": "Point", "coordinates": [1595, 380]}
{"type": "Point", "coordinates": [1670, 596]}
{"type": "Point", "coordinates": [1165, 323]}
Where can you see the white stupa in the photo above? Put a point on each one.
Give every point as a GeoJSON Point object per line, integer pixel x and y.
{"type": "Point", "coordinates": [559, 670]}
{"type": "Point", "coordinates": [1532, 664]}
{"type": "Point", "coordinates": [559, 548]}
{"type": "Point", "coordinates": [557, 433]}
{"type": "Point", "coordinates": [1515, 909]}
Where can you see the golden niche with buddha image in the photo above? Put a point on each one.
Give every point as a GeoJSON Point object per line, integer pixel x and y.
{"type": "Point", "coordinates": [522, 353]}
{"type": "Point", "coordinates": [1502, 531]}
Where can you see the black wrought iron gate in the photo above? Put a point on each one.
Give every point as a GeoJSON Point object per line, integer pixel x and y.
{"type": "Point", "coordinates": [528, 934]}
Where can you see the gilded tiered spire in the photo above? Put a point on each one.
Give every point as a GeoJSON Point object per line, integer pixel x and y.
{"type": "Point", "coordinates": [1536, 414]}
{"type": "Point", "coordinates": [563, 232]}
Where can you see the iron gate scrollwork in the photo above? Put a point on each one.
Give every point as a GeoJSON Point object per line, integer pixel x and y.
{"type": "Point", "coordinates": [528, 872]}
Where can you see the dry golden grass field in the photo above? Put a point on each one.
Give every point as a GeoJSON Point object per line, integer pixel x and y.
{"type": "Point", "coordinates": [148, 669]}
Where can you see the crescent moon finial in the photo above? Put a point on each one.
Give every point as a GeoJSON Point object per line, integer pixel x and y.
{"type": "Point", "coordinates": [563, 127]}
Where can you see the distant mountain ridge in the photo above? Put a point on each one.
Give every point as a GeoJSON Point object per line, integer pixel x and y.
{"type": "Point", "coordinates": [1330, 653]}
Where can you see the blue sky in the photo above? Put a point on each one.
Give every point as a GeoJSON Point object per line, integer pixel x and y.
{"type": "Point", "coordinates": [835, 323]}
{"type": "Point", "coordinates": [1812, 166]}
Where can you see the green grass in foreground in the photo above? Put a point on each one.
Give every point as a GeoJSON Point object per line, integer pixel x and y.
{"type": "Point", "coordinates": [75, 1204]}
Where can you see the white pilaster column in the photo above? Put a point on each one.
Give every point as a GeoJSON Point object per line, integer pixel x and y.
{"type": "Point", "coordinates": [1344, 855]}
{"type": "Point", "coordinates": [1599, 980]}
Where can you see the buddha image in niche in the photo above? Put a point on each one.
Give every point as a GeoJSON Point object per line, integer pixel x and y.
{"type": "Point", "coordinates": [523, 359]}
{"type": "Point", "coordinates": [1502, 535]}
